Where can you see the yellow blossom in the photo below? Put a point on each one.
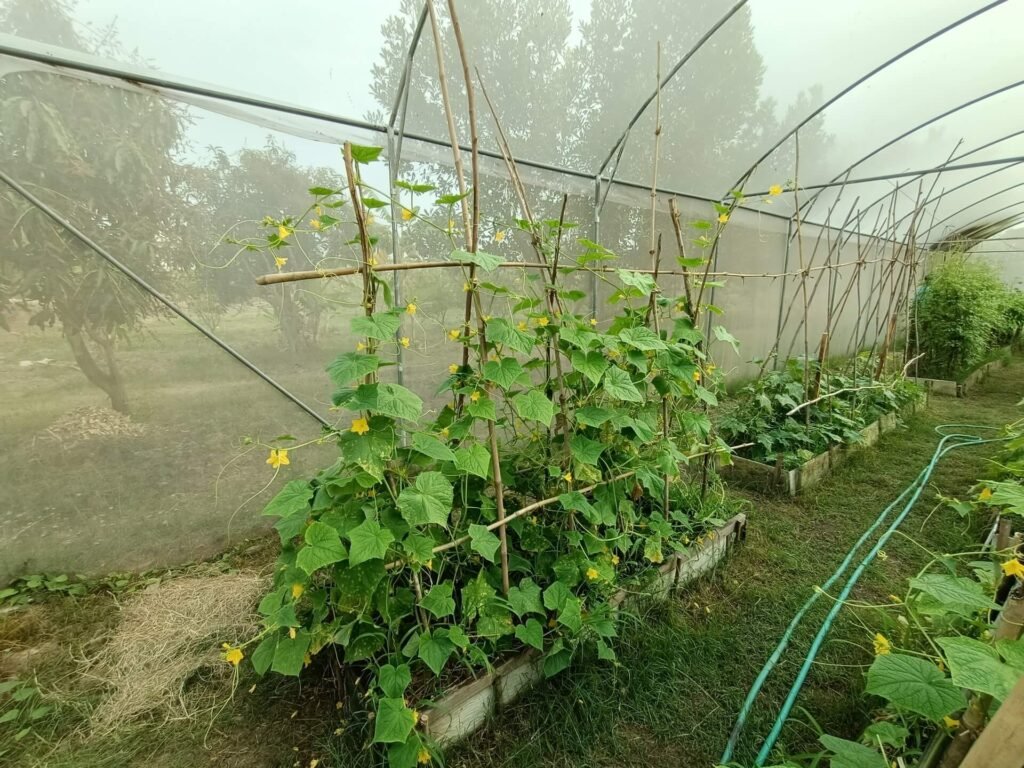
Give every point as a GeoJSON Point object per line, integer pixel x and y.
{"type": "Point", "coordinates": [499, 236]}
{"type": "Point", "coordinates": [696, 376]}
{"type": "Point", "coordinates": [521, 325]}
{"type": "Point", "coordinates": [775, 190]}
{"type": "Point", "coordinates": [453, 368]}
{"type": "Point", "coordinates": [444, 432]}
{"type": "Point", "coordinates": [415, 717]}
{"type": "Point", "coordinates": [291, 632]}
{"type": "Point", "coordinates": [315, 223]}
{"type": "Point", "coordinates": [593, 321]}
{"type": "Point", "coordinates": [314, 762]}
{"type": "Point", "coordinates": [1013, 568]}
{"type": "Point", "coordinates": [950, 722]}
{"type": "Point", "coordinates": [895, 598]}
{"type": "Point", "coordinates": [451, 224]}
{"type": "Point", "coordinates": [307, 660]}
{"type": "Point", "coordinates": [711, 367]}
{"type": "Point", "coordinates": [552, 623]}
{"type": "Point", "coordinates": [453, 334]}
{"type": "Point", "coordinates": [297, 590]}
{"type": "Point", "coordinates": [657, 557]}
{"type": "Point", "coordinates": [372, 261]}
{"type": "Point", "coordinates": [233, 655]}
{"type": "Point", "coordinates": [368, 220]}
{"type": "Point", "coordinates": [466, 287]}
{"type": "Point", "coordinates": [283, 231]}
{"type": "Point", "coordinates": [723, 218]}
{"type": "Point", "coordinates": [615, 559]}
{"type": "Point", "coordinates": [985, 495]}
{"type": "Point", "coordinates": [278, 457]}
{"type": "Point", "coordinates": [407, 214]}
{"type": "Point", "coordinates": [360, 346]}
{"type": "Point", "coordinates": [475, 396]}
{"type": "Point", "coordinates": [542, 321]}
{"type": "Point", "coordinates": [359, 426]}
{"type": "Point", "coordinates": [410, 308]}
{"type": "Point", "coordinates": [423, 756]}
{"type": "Point", "coordinates": [404, 341]}
{"type": "Point", "coordinates": [567, 477]}
{"type": "Point", "coordinates": [882, 646]}
{"type": "Point", "coordinates": [280, 261]}
{"type": "Point", "coordinates": [592, 574]}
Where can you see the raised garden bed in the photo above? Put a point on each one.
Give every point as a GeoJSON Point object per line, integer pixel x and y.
{"type": "Point", "coordinates": [813, 471]}
{"type": "Point", "coordinates": [465, 709]}
{"type": "Point", "coordinates": [960, 388]}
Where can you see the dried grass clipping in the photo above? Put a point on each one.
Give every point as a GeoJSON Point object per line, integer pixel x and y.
{"type": "Point", "coordinates": [90, 423]}
{"type": "Point", "coordinates": [164, 657]}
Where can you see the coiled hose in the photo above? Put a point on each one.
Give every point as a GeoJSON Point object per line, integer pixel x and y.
{"type": "Point", "coordinates": [950, 441]}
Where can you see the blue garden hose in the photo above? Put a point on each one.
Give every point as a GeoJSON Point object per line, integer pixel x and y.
{"type": "Point", "coordinates": [914, 490]}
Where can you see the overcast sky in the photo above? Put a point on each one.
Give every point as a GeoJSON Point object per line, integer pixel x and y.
{"type": "Point", "coordinates": [320, 55]}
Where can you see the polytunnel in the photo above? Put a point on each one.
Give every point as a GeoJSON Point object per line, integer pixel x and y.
{"type": "Point", "coordinates": [144, 143]}
{"type": "Point", "coordinates": [511, 382]}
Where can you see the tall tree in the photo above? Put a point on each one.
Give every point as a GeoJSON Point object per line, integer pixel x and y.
{"type": "Point", "coordinates": [105, 156]}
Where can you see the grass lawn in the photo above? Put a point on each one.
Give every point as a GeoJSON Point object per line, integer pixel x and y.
{"type": "Point", "coordinates": [684, 669]}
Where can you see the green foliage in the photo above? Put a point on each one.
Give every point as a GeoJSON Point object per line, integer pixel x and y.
{"type": "Point", "coordinates": [393, 556]}
{"type": "Point", "coordinates": [960, 312]}
{"type": "Point", "coordinates": [759, 413]}
{"type": "Point", "coordinates": [21, 708]}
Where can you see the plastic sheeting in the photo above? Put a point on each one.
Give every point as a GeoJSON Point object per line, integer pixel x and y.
{"type": "Point", "coordinates": [171, 130]}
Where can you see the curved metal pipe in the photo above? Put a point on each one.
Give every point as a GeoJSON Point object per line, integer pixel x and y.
{"type": "Point", "coordinates": [859, 81]}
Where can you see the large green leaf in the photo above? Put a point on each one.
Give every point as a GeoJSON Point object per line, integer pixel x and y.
{"type": "Point", "coordinates": [531, 633]}
{"type": "Point", "coordinates": [483, 541]}
{"type": "Point", "coordinates": [1012, 652]}
{"type": "Point", "coordinates": [488, 262]}
{"type": "Point", "coordinates": [618, 384]}
{"type": "Point", "coordinates": [534, 406]}
{"type": "Point", "coordinates": [350, 366]}
{"type": "Point", "coordinates": [290, 653]}
{"type": "Point", "coordinates": [435, 649]}
{"type": "Point", "coordinates": [474, 459]}
{"type": "Point", "coordinates": [556, 659]}
{"type": "Point", "coordinates": [430, 446]}
{"type": "Point", "coordinates": [290, 500]}
{"type": "Point", "coordinates": [381, 326]}
{"type": "Point", "coordinates": [723, 335]}
{"type": "Point", "coordinates": [571, 614]}
{"type": "Point", "coordinates": [525, 598]}
{"type": "Point", "coordinates": [975, 665]}
{"type": "Point", "coordinates": [642, 282]}
{"type": "Point", "coordinates": [439, 600]}
{"type": "Point", "coordinates": [394, 680]}
{"type": "Point", "coordinates": [368, 541]}
{"type": "Point", "coordinates": [504, 372]}
{"type": "Point", "coordinates": [957, 593]}
{"type": "Point", "coordinates": [593, 415]}
{"type": "Point", "coordinates": [476, 596]}
{"type": "Point", "coordinates": [501, 331]}
{"type": "Point", "coordinates": [592, 364]}
{"type": "Point", "coordinates": [428, 500]}
{"type": "Point", "coordinates": [364, 154]}
{"type": "Point", "coordinates": [323, 547]}
{"type": "Point", "coordinates": [585, 450]}
{"type": "Point", "coordinates": [396, 401]}
{"type": "Point", "coordinates": [913, 683]}
{"type": "Point", "coordinates": [354, 587]}
{"type": "Point", "coordinates": [394, 721]}
{"type": "Point", "coordinates": [642, 338]}
{"type": "Point", "coordinates": [850, 754]}
{"type": "Point", "coordinates": [482, 408]}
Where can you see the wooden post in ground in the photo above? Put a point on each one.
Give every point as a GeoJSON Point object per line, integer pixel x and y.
{"type": "Point", "coordinates": [1001, 744]}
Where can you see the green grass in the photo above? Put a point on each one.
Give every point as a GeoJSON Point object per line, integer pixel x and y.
{"type": "Point", "coordinates": [685, 666]}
